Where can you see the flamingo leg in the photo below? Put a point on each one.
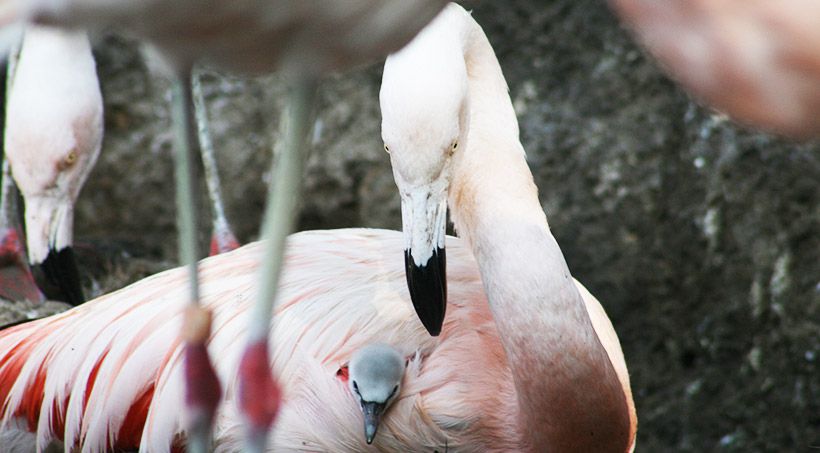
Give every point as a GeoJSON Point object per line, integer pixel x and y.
{"type": "Point", "coordinates": [222, 238]}
{"type": "Point", "coordinates": [259, 394]}
{"type": "Point", "coordinates": [202, 392]}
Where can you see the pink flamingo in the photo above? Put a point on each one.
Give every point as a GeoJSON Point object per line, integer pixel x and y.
{"type": "Point", "coordinates": [53, 136]}
{"type": "Point", "coordinates": [53, 140]}
{"type": "Point", "coordinates": [119, 385]}
{"type": "Point", "coordinates": [534, 364]}
{"type": "Point", "coordinates": [758, 61]}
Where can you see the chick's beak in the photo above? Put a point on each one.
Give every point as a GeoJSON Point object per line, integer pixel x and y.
{"type": "Point", "coordinates": [372, 416]}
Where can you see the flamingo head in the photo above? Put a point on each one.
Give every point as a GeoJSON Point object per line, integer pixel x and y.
{"type": "Point", "coordinates": [424, 124]}
{"type": "Point", "coordinates": [375, 378]}
{"type": "Point", "coordinates": [50, 170]}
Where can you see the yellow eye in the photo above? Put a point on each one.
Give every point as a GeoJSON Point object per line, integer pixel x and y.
{"type": "Point", "coordinates": [387, 148]}
{"type": "Point", "coordinates": [71, 157]}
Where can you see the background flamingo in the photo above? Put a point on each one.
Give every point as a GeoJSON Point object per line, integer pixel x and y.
{"type": "Point", "coordinates": [57, 108]}
{"type": "Point", "coordinates": [52, 137]}
{"type": "Point", "coordinates": [34, 124]}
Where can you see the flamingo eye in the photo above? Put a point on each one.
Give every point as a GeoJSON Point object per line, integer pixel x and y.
{"type": "Point", "coordinates": [67, 161]}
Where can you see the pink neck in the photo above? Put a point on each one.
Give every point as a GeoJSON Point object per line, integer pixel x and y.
{"type": "Point", "coordinates": [569, 396]}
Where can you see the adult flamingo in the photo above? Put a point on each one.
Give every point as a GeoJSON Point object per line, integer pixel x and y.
{"type": "Point", "coordinates": [52, 137]}
{"type": "Point", "coordinates": [109, 375]}
{"type": "Point", "coordinates": [538, 367]}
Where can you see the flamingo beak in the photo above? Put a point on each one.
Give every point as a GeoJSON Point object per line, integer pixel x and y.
{"type": "Point", "coordinates": [424, 221]}
{"type": "Point", "coordinates": [372, 416]}
{"type": "Point", "coordinates": [49, 230]}
{"type": "Point", "coordinates": [59, 276]}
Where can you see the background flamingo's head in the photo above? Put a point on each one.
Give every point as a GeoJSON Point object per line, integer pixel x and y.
{"type": "Point", "coordinates": [53, 137]}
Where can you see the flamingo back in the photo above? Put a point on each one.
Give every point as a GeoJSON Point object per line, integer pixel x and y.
{"type": "Point", "coordinates": [108, 375]}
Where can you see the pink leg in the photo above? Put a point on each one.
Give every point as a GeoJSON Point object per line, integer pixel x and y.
{"type": "Point", "coordinates": [259, 394]}
{"type": "Point", "coordinates": [223, 241]}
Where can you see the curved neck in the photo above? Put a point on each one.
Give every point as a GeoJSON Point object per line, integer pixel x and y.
{"type": "Point", "coordinates": [569, 396]}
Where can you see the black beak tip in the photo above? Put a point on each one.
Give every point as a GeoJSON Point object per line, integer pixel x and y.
{"type": "Point", "coordinates": [59, 278]}
{"type": "Point", "coordinates": [428, 289]}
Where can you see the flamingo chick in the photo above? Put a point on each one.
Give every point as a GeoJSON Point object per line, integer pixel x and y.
{"type": "Point", "coordinates": [376, 372]}
{"type": "Point", "coordinates": [54, 130]}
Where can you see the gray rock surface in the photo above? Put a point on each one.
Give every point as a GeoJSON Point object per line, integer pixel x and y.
{"type": "Point", "coordinates": [700, 238]}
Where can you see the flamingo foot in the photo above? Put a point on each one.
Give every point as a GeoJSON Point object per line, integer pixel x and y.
{"type": "Point", "coordinates": [259, 394]}
{"type": "Point", "coordinates": [222, 242]}
{"type": "Point", "coordinates": [16, 279]}
{"type": "Point", "coordinates": [202, 388]}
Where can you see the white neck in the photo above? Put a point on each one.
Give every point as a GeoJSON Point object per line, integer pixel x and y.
{"type": "Point", "coordinates": [565, 382]}
{"type": "Point", "coordinates": [69, 47]}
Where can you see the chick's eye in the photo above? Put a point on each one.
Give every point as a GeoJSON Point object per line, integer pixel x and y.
{"type": "Point", "coordinates": [387, 149]}
{"type": "Point", "coordinates": [355, 387]}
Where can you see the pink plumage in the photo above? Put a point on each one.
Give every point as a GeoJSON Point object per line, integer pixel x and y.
{"type": "Point", "coordinates": [109, 373]}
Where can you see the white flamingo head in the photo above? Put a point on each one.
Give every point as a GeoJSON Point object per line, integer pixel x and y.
{"type": "Point", "coordinates": [376, 372]}
{"type": "Point", "coordinates": [53, 137]}
{"type": "Point", "coordinates": [424, 123]}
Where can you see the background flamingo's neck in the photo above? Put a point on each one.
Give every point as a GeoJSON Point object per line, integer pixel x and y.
{"type": "Point", "coordinates": [69, 47]}
{"type": "Point", "coordinates": [569, 396]}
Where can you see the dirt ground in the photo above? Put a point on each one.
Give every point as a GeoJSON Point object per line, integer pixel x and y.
{"type": "Point", "coordinates": [700, 238]}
